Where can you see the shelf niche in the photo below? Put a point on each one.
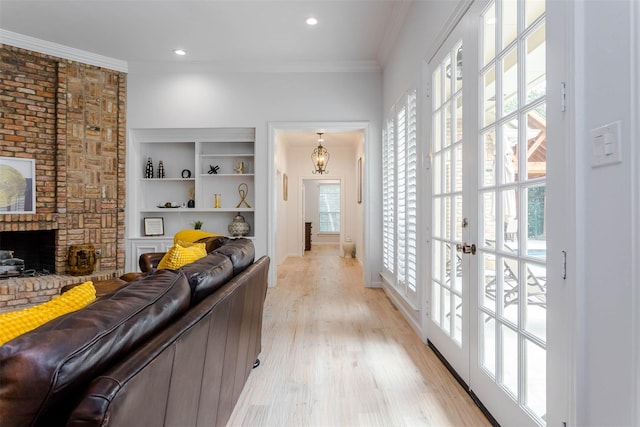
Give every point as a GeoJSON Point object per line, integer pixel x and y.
{"type": "Point", "coordinates": [189, 158]}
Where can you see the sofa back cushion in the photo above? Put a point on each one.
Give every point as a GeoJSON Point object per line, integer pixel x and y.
{"type": "Point", "coordinates": [43, 371]}
{"type": "Point", "coordinates": [207, 274]}
{"type": "Point", "coordinates": [240, 251]}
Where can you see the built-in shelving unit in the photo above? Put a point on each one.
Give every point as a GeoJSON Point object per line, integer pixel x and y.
{"type": "Point", "coordinates": [189, 157]}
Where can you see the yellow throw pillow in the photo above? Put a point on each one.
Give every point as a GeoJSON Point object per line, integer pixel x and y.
{"type": "Point", "coordinates": [179, 255]}
{"type": "Point", "coordinates": [191, 235]}
{"type": "Point", "coordinates": [16, 323]}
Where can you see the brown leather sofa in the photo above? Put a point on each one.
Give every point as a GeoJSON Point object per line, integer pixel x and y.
{"type": "Point", "coordinates": [170, 348]}
{"type": "Point", "coordinates": [149, 261]}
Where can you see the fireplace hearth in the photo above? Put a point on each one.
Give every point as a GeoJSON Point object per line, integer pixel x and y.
{"type": "Point", "coordinates": [35, 248]}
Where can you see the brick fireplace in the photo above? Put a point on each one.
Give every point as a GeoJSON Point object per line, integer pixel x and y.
{"type": "Point", "coordinates": [70, 118]}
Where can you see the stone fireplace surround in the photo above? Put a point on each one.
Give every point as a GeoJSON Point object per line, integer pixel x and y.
{"type": "Point", "coordinates": [70, 118]}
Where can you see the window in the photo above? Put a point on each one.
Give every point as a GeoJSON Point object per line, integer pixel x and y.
{"type": "Point", "coordinates": [329, 208]}
{"type": "Point", "coordinates": [399, 187]}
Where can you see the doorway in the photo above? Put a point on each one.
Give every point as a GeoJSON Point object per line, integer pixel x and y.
{"type": "Point", "coordinates": [290, 148]}
{"type": "Point", "coordinates": [489, 212]}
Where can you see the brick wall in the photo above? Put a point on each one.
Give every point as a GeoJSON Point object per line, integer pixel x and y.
{"type": "Point", "coordinates": [70, 118]}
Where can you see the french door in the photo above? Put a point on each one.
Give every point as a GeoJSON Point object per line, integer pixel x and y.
{"type": "Point", "coordinates": [488, 304]}
{"type": "Point", "coordinates": [449, 315]}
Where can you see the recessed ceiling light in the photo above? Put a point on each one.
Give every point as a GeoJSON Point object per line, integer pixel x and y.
{"type": "Point", "coordinates": [180, 52]}
{"type": "Point", "coordinates": [311, 21]}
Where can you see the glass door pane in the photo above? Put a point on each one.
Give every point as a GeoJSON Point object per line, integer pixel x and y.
{"type": "Point", "coordinates": [511, 309]}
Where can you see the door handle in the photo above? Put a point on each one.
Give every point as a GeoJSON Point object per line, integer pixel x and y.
{"type": "Point", "coordinates": [466, 248]}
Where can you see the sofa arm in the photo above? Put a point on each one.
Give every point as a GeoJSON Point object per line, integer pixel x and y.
{"type": "Point", "coordinates": [131, 276]}
{"type": "Point", "coordinates": [150, 261]}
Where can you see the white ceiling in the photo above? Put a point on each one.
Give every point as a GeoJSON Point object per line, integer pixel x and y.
{"type": "Point", "coordinates": [350, 33]}
{"type": "Point", "coordinates": [234, 34]}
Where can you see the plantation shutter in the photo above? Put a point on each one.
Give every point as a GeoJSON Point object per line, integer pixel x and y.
{"type": "Point", "coordinates": [400, 199]}
{"type": "Point", "coordinates": [412, 197]}
{"type": "Point", "coordinates": [401, 224]}
{"type": "Point", "coordinates": [388, 197]}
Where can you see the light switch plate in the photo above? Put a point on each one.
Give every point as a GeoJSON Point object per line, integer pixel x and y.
{"type": "Point", "coordinates": [605, 145]}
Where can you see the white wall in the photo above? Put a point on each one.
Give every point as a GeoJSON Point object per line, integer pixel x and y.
{"type": "Point", "coordinates": [605, 384]}
{"type": "Point", "coordinates": [194, 96]}
{"type": "Point", "coordinates": [357, 231]}
{"type": "Point", "coordinates": [403, 70]}
{"type": "Point", "coordinates": [280, 163]}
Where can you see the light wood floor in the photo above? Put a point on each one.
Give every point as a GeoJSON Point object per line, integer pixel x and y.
{"type": "Point", "coordinates": [337, 354]}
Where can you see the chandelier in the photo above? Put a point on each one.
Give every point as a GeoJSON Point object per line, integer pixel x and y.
{"type": "Point", "coordinates": [320, 157]}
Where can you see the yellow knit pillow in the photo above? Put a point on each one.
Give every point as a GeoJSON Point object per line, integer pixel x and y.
{"type": "Point", "coordinates": [181, 254]}
{"type": "Point", "coordinates": [191, 235]}
{"type": "Point", "coordinates": [16, 323]}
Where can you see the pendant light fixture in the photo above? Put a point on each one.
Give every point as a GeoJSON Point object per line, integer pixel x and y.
{"type": "Point", "coordinates": [320, 157]}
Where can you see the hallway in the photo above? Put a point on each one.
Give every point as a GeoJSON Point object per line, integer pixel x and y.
{"type": "Point", "coordinates": [337, 354]}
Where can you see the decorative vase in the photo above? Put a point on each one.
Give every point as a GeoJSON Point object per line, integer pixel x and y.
{"type": "Point", "coordinates": [349, 248]}
{"type": "Point", "coordinates": [161, 169]}
{"type": "Point", "coordinates": [149, 170]}
{"type": "Point", "coordinates": [191, 203]}
{"type": "Point", "coordinates": [81, 260]}
{"type": "Point", "coordinates": [239, 226]}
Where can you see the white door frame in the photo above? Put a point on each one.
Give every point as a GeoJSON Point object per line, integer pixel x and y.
{"type": "Point", "coordinates": [635, 176]}
{"type": "Point", "coordinates": [563, 336]}
{"type": "Point", "coordinates": [368, 214]}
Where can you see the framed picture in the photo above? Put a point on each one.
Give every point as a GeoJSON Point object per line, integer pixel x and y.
{"type": "Point", "coordinates": [18, 189]}
{"type": "Point", "coordinates": [359, 180]}
{"type": "Point", "coordinates": [285, 187]}
{"type": "Point", "coordinates": [154, 226]}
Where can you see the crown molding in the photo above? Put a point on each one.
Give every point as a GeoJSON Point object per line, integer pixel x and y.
{"type": "Point", "coordinates": [258, 66]}
{"type": "Point", "coordinates": [54, 49]}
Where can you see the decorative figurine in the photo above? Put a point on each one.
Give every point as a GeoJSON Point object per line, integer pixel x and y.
{"type": "Point", "coordinates": [213, 170]}
{"type": "Point", "coordinates": [191, 203]}
{"type": "Point", "coordinates": [239, 168]}
{"type": "Point", "coordinates": [243, 191]}
{"type": "Point", "coordinates": [149, 170]}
